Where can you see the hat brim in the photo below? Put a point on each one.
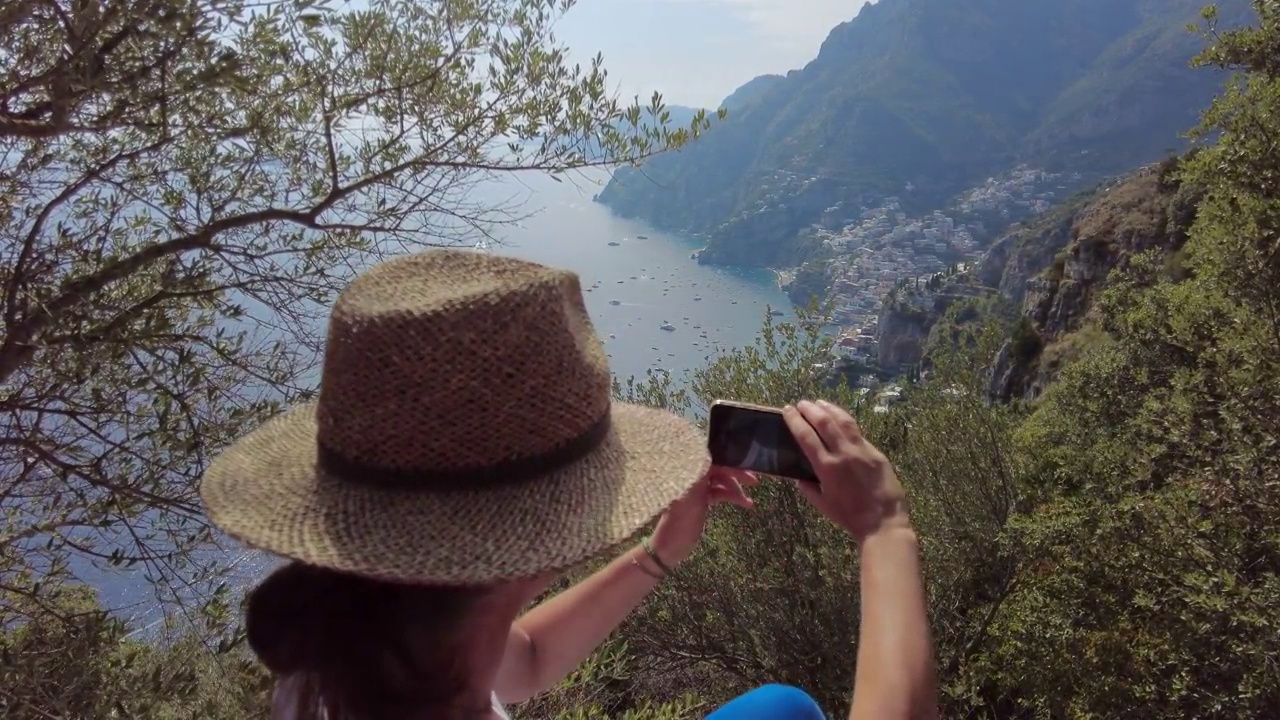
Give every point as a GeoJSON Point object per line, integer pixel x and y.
{"type": "Point", "coordinates": [267, 491]}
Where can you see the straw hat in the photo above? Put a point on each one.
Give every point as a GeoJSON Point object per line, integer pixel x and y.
{"type": "Point", "coordinates": [464, 434]}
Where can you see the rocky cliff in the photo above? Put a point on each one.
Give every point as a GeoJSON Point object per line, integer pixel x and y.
{"type": "Point", "coordinates": [908, 317]}
{"type": "Point", "coordinates": [1055, 277]}
{"type": "Point", "coordinates": [901, 334]}
{"type": "Point", "coordinates": [1021, 254]}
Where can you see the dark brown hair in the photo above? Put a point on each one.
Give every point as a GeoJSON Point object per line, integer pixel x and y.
{"type": "Point", "coordinates": [365, 649]}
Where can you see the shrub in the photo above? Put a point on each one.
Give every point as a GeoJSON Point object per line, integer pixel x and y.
{"type": "Point", "coordinates": [70, 659]}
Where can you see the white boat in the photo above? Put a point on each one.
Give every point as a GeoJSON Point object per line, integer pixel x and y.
{"type": "Point", "coordinates": [668, 327]}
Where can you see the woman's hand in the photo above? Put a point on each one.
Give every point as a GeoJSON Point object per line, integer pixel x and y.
{"type": "Point", "coordinates": [857, 489]}
{"type": "Point", "coordinates": [681, 526]}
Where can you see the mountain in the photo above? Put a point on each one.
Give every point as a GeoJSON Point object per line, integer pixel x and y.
{"type": "Point", "coordinates": [921, 99]}
{"type": "Point", "coordinates": [753, 90]}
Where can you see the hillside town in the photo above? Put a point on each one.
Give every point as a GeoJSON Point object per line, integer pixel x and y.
{"type": "Point", "coordinates": [883, 246]}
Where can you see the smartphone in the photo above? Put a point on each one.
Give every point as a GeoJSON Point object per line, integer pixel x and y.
{"type": "Point", "coordinates": [756, 438]}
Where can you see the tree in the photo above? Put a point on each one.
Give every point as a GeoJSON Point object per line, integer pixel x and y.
{"type": "Point", "coordinates": [186, 184]}
{"type": "Point", "coordinates": [1153, 458]}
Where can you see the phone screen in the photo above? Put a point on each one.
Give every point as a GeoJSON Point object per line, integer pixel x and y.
{"type": "Point", "coordinates": [756, 439]}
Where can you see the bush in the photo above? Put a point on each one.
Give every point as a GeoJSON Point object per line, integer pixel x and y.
{"type": "Point", "coordinates": [605, 687]}
{"type": "Point", "coordinates": [71, 659]}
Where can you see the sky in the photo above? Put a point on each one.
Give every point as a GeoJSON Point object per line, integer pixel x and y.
{"type": "Point", "coordinates": [697, 52]}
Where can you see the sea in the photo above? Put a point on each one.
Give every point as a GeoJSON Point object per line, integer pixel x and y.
{"type": "Point", "coordinates": [636, 280]}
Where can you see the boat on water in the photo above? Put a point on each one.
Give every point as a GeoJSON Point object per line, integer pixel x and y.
{"type": "Point", "coordinates": [777, 313]}
{"type": "Point", "coordinates": [668, 327]}
{"type": "Point", "coordinates": [697, 298]}
{"type": "Point", "coordinates": [614, 243]}
{"type": "Point", "coordinates": [615, 302]}
{"type": "Point", "coordinates": [642, 237]}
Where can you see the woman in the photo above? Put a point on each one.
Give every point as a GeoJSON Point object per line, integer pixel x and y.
{"type": "Point", "coordinates": [462, 454]}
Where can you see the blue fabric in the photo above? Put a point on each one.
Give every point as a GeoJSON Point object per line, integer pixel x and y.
{"type": "Point", "coordinates": [770, 702]}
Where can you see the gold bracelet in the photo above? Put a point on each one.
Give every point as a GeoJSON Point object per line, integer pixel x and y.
{"type": "Point", "coordinates": [646, 570]}
{"type": "Point", "coordinates": [648, 550]}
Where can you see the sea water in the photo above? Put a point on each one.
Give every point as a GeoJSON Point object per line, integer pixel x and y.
{"type": "Point", "coordinates": [650, 274]}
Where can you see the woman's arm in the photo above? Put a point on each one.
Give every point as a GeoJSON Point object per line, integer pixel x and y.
{"type": "Point", "coordinates": [554, 638]}
{"type": "Point", "coordinates": [860, 492]}
{"type": "Point", "coordinates": [895, 672]}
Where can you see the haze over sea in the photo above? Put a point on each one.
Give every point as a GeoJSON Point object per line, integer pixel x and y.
{"type": "Point", "coordinates": [655, 280]}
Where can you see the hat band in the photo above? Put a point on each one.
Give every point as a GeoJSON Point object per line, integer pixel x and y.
{"type": "Point", "coordinates": [509, 472]}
